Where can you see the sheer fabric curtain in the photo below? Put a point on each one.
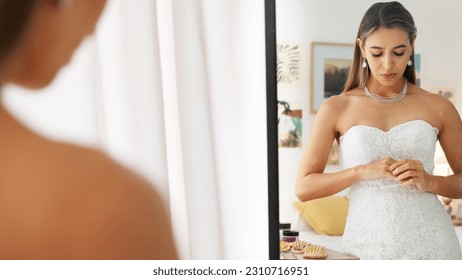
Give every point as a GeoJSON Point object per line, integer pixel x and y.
{"type": "Point", "coordinates": [176, 91]}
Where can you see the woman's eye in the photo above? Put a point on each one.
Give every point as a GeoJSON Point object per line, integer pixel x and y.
{"type": "Point", "coordinates": [376, 55]}
{"type": "Point", "coordinates": [399, 54]}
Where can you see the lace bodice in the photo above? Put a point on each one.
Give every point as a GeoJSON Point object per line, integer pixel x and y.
{"type": "Point", "coordinates": [387, 220]}
{"type": "Point", "coordinates": [367, 144]}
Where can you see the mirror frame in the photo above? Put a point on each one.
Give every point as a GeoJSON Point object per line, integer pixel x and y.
{"type": "Point", "coordinates": [272, 129]}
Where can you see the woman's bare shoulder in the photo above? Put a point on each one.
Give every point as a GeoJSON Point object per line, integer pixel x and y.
{"type": "Point", "coordinates": [89, 207]}
{"type": "Point", "coordinates": [128, 211]}
{"type": "Point", "coordinates": [434, 101]}
{"type": "Point", "coordinates": [337, 103]}
{"type": "Point", "coordinates": [437, 108]}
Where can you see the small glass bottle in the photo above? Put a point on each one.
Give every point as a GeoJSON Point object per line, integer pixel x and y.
{"type": "Point", "coordinates": [289, 236]}
{"type": "Point", "coordinates": [282, 228]}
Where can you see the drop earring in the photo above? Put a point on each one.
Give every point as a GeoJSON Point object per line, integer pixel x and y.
{"type": "Point", "coordinates": [409, 63]}
{"type": "Point", "coordinates": [364, 64]}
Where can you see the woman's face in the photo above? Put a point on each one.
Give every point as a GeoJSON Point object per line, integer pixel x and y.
{"type": "Point", "coordinates": [52, 36]}
{"type": "Point", "coordinates": [387, 51]}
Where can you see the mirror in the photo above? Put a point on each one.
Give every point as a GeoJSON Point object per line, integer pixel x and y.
{"type": "Point", "coordinates": [307, 26]}
{"type": "Point", "coordinates": [272, 129]}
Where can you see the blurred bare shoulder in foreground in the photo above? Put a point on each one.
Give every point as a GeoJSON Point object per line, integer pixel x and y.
{"type": "Point", "coordinates": [61, 201]}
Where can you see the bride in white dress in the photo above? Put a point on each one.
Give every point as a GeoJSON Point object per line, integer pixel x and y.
{"type": "Point", "coordinates": [387, 128]}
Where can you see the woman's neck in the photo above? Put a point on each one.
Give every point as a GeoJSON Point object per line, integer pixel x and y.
{"type": "Point", "coordinates": [384, 91]}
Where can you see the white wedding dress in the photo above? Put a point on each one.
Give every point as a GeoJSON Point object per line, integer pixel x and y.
{"type": "Point", "coordinates": [385, 219]}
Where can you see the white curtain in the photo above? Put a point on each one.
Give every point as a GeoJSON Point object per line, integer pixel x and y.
{"type": "Point", "coordinates": [176, 91]}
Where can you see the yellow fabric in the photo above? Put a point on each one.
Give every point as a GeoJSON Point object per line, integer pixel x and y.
{"type": "Point", "coordinates": [325, 215]}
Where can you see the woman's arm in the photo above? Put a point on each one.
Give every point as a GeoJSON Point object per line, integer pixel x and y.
{"type": "Point", "coordinates": [411, 172]}
{"type": "Point", "coordinates": [451, 142]}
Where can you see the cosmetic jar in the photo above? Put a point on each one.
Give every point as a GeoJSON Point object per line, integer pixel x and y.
{"type": "Point", "coordinates": [282, 228]}
{"type": "Point", "coordinates": [289, 236]}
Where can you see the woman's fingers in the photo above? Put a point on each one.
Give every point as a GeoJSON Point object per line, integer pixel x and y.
{"type": "Point", "coordinates": [407, 175]}
{"type": "Point", "coordinates": [404, 165]}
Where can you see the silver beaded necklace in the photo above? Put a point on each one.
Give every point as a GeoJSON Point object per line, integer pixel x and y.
{"type": "Point", "coordinates": [387, 100]}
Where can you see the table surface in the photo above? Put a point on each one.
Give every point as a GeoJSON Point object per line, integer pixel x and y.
{"type": "Point", "coordinates": [331, 255]}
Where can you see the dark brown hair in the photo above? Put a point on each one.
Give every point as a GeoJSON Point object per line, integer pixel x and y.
{"type": "Point", "coordinates": [388, 15]}
{"type": "Point", "coordinates": [14, 16]}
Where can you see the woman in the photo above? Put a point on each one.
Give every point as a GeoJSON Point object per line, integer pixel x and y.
{"type": "Point", "coordinates": [59, 201]}
{"type": "Point", "coordinates": [387, 128]}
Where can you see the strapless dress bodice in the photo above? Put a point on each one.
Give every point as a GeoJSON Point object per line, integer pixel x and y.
{"type": "Point", "coordinates": [415, 139]}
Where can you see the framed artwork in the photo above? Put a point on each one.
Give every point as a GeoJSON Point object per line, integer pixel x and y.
{"type": "Point", "coordinates": [418, 69]}
{"type": "Point", "coordinates": [330, 64]}
{"type": "Point", "coordinates": [288, 65]}
{"type": "Point", "coordinates": [289, 124]}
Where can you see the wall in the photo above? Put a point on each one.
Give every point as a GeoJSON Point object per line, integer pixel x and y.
{"type": "Point", "coordinates": [301, 22]}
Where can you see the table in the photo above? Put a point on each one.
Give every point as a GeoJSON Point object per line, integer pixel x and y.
{"type": "Point", "coordinates": [331, 255]}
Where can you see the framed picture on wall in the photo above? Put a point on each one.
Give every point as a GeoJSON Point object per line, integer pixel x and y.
{"type": "Point", "coordinates": [288, 63]}
{"type": "Point", "coordinates": [418, 69]}
{"type": "Point", "coordinates": [330, 64]}
{"type": "Point", "coordinates": [289, 124]}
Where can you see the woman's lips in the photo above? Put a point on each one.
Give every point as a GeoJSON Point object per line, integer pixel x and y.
{"type": "Point", "coordinates": [388, 76]}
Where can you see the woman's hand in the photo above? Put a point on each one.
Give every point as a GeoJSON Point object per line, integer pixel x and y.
{"type": "Point", "coordinates": [378, 169]}
{"type": "Point", "coordinates": [411, 173]}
